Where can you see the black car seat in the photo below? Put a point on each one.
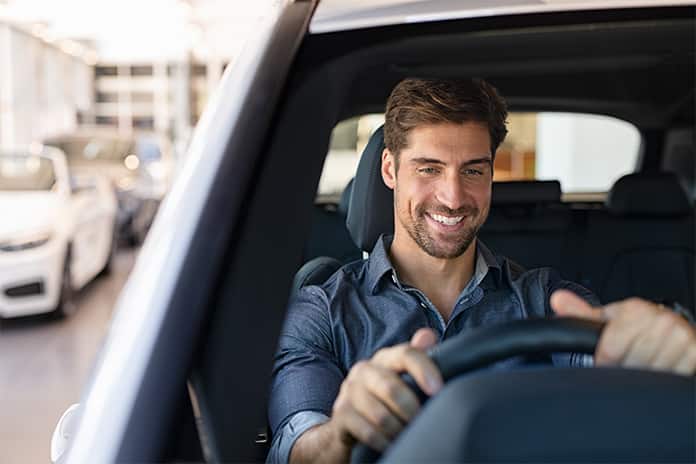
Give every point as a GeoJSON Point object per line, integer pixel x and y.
{"type": "Point", "coordinates": [643, 243]}
{"type": "Point", "coordinates": [529, 224]}
{"type": "Point", "coordinates": [366, 196]}
{"type": "Point", "coordinates": [328, 235]}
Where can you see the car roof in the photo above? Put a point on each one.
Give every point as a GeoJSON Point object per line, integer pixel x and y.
{"type": "Point", "coordinates": [341, 15]}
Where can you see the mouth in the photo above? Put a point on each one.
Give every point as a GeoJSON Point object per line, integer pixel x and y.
{"type": "Point", "coordinates": [446, 220]}
{"type": "Point", "coordinates": [444, 223]}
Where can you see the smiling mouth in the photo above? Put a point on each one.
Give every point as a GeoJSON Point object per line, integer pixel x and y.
{"type": "Point", "coordinates": [446, 220]}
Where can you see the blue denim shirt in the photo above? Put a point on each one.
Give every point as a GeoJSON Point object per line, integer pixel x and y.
{"type": "Point", "coordinates": [364, 307]}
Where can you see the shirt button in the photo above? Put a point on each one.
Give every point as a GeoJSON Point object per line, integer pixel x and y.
{"type": "Point", "coordinates": [423, 305]}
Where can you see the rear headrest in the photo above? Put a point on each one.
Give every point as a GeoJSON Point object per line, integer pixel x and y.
{"type": "Point", "coordinates": [371, 210]}
{"type": "Point", "coordinates": [526, 192]}
{"type": "Point", "coordinates": [345, 198]}
{"type": "Point", "coordinates": [656, 194]}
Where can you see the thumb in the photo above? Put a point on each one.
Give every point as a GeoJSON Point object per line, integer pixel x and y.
{"type": "Point", "coordinates": [567, 304]}
{"type": "Point", "coordinates": [423, 339]}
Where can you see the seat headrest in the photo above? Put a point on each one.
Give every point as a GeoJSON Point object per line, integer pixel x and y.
{"type": "Point", "coordinates": [371, 210]}
{"type": "Point", "coordinates": [655, 194]}
{"type": "Point", "coordinates": [526, 192]}
{"type": "Point", "coordinates": [345, 198]}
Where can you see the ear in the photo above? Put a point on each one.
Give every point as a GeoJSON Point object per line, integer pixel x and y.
{"type": "Point", "coordinates": [388, 169]}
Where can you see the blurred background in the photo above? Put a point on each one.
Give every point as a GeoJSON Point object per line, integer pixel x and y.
{"type": "Point", "coordinates": [98, 99]}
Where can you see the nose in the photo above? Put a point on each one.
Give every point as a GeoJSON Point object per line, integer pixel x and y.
{"type": "Point", "coordinates": [452, 191]}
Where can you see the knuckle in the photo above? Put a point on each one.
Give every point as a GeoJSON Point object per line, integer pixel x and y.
{"type": "Point", "coordinates": [393, 389]}
{"type": "Point", "coordinates": [691, 354]}
{"type": "Point", "coordinates": [680, 334]}
{"type": "Point", "coordinates": [383, 419]}
{"type": "Point", "coordinates": [358, 370]}
{"type": "Point", "coordinates": [666, 320]}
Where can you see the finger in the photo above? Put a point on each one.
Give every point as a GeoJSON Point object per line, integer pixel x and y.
{"type": "Point", "coordinates": [363, 431]}
{"type": "Point", "coordinates": [649, 343]}
{"type": "Point", "coordinates": [385, 385]}
{"type": "Point", "coordinates": [424, 339]}
{"type": "Point", "coordinates": [567, 304]}
{"type": "Point", "coordinates": [404, 358]}
{"type": "Point", "coordinates": [687, 363]}
{"type": "Point", "coordinates": [671, 353]}
{"type": "Point", "coordinates": [629, 320]}
{"type": "Point", "coordinates": [379, 415]}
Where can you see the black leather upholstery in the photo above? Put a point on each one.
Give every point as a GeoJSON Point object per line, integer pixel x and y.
{"type": "Point", "coordinates": [344, 202]}
{"type": "Point", "coordinates": [529, 224]}
{"type": "Point", "coordinates": [315, 271]}
{"type": "Point", "coordinates": [643, 244]}
{"type": "Point", "coordinates": [526, 192]}
{"type": "Point", "coordinates": [371, 211]}
{"type": "Point", "coordinates": [655, 194]}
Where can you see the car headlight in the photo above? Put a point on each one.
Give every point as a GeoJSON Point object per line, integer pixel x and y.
{"type": "Point", "coordinates": [25, 242]}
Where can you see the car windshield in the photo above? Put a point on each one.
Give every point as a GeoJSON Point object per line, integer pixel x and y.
{"type": "Point", "coordinates": [89, 150]}
{"type": "Point", "coordinates": [26, 172]}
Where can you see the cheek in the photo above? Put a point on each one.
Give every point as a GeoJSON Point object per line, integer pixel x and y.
{"type": "Point", "coordinates": [411, 194]}
{"type": "Point", "coordinates": [482, 198]}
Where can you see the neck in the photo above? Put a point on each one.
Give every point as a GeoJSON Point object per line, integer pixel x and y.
{"type": "Point", "coordinates": [442, 280]}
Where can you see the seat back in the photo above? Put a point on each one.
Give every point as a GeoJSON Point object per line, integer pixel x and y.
{"type": "Point", "coordinates": [528, 223]}
{"type": "Point", "coordinates": [643, 243]}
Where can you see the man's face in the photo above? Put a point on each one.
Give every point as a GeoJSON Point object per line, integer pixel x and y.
{"type": "Point", "coordinates": [442, 188]}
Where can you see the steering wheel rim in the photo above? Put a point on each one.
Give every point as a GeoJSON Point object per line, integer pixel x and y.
{"type": "Point", "coordinates": [485, 346]}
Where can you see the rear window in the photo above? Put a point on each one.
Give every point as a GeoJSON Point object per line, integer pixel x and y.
{"type": "Point", "coordinates": [587, 153]}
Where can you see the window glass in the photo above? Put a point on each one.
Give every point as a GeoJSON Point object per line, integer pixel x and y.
{"type": "Point", "coordinates": [347, 143]}
{"type": "Point", "coordinates": [24, 173]}
{"type": "Point", "coordinates": [585, 152]}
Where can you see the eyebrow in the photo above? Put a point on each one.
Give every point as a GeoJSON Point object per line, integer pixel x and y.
{"type": "Point", "coordinates": [426, 160]}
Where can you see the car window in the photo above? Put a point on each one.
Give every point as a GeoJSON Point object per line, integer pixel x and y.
{"type": "Point", "coordinates": [25, 173]}
{"type": "Point", "coordinates": [585, 152]}
{"type": "Point", "coordinates": [87, 150]}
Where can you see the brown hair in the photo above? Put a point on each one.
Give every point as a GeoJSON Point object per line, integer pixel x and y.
{"type": "Point", "coordinates": [414, 102]}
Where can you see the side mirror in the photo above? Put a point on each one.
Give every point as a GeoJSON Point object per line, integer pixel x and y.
{"type": "Point", "coordinates": [63, 433]}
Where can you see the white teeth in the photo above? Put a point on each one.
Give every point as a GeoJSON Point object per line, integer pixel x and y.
{"type": "Point", "coordinates": [446, 220]}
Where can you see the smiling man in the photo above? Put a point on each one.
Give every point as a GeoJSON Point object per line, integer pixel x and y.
{"type": "Point", "coordinates": [336, 379]}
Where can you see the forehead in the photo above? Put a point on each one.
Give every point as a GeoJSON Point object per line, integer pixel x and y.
{"type": "Point", "coordinates": [449, 139]}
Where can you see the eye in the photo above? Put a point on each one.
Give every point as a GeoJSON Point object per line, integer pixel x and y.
{"type": "Point", "coordinates": [473, 172]}
{"type": "Point", "coordinates": [428, 170]}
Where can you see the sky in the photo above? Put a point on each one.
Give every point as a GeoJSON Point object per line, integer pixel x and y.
{"type": "Point", "coordinates": [132, 30]}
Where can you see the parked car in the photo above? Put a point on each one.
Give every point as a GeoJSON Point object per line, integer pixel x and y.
{"type": "Point", "coordinates": [56, 235]}
{"type": "Point", "coordinates": [139, 166]}
{"type": "Point", "coordinates": [185, 368]}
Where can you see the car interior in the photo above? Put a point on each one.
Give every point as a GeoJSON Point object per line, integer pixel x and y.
{"type": "Point", "coordinates": [636, 65]}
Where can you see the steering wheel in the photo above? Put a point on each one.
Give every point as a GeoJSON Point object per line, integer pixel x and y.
{"type": "Point", "coordinates": [545, 414]}
{"type": "Point", "coordinates": [485, 346]}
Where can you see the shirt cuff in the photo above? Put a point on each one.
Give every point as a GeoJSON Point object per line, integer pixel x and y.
{"type": "Point", "coordinates": [286, 437]}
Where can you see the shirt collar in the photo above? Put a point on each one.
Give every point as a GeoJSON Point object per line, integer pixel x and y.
{"type": "Point", "coordinates": [379, 264]}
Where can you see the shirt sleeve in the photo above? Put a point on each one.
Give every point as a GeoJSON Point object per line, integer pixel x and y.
{"type": "Point", "coordinates": [306, 373]}
{"type": "Point", "coordinates": [286, 437]}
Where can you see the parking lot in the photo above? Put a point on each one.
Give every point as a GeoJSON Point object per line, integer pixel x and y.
{"type": "Point", "coordinates": [45, 363]}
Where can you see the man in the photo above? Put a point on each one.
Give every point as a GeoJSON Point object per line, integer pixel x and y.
{"type": "Point", "coordinates": [336, 379]}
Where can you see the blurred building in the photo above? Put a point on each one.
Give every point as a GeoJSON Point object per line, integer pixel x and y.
{"type": "Point", "coordinates": [166, 97]}
{"type": "Point", "coordinates": [45, 84]}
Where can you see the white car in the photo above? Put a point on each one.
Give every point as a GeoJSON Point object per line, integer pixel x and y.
{"type": "Point", "coordinates": [57, 232]}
